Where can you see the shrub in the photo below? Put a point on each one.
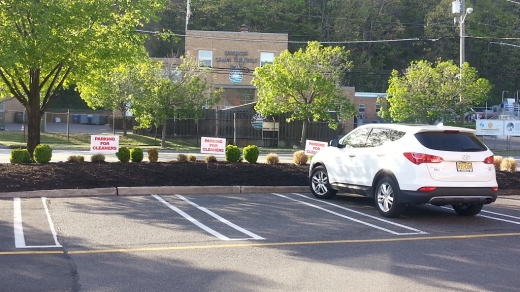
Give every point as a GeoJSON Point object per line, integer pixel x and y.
{"type": "Point", "coordinates": [232, 153]}
{"type": "Point", "coordinates": [42, 153]}
{"type": "Point", "coordinates": [192, 158]}
{"type": "Point", "coordinates": [136, 154]}
{"type": "Point", "coordinates": [20, 156]}
{"type": "Point", "coordinates": [210, 158]}
{"type": "Point", "coordinates": [497, 160]}
{"type": "Point", "coordinates": [76, 158]}
{"type": "Point", "coordinates": [272, 158]}
{"type": "Point", "coordinates": [153, 154]}
{"type": "Point", "coordinates": [300, 158]}
{"type": "Point", "coordinates": [508, 164]}
{"type": "Point", "coordinates": [251, 153]}
{"type": "Point", "coordinates": [182, 157]}
{"type": "Point", "coordinates": [97, 158]}
{"type": "Point", "coordinates": [123, 154]}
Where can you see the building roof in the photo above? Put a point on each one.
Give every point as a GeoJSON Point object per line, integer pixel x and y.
{"type": "Point", "coordinates": [370, 95]}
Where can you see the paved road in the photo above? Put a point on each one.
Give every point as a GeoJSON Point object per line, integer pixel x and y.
{"type": "Point", "coordinates": [255, 242]}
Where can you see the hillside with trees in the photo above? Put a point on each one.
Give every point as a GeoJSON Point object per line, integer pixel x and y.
{"type": "Point", "coordinates": [381, 35]}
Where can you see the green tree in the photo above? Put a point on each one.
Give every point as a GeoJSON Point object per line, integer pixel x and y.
{"type": "Point", "coordinates": [114, 88]}
{"type": "Point", "coordinates": [171, 90]}
{"type": "Point", "coordinates": [304, 84]}
{"type": "Point", "coordinates": [46, 44]}
{"type": "Point", "coordinates": [427, 93]}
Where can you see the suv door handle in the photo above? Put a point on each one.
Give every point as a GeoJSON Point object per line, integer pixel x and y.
{"type": "Point", "coordinates": [351, 155]}
{"type": "Point", "coordinates": [380, 154]}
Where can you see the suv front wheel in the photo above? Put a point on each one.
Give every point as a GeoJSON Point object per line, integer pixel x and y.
{"type": "Point", "coordinates": [319, 183]}
{"type": "Point", "coordinates": [387, 198]}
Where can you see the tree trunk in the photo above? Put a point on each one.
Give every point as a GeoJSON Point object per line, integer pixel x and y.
{"type": "Point", "coordinates": [163, 138]}
{"type": "Point", "coordinates": [124, 126]}
{"type": "Point", "coordinates": [303, 139]}
{"type": "Point", "coordinates": [34, 113]}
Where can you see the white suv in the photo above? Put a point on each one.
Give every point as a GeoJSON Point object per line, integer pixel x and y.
{"type": "Point", "coordinates": [400, 165]}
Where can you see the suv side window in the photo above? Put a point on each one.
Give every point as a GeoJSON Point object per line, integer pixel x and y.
{"type": "Point", "coordinates": [451, 141]}
{"type": "Point", "coordinates": [378, 137]}
{"type": "Point", "coordinates": [356, 138]}
{"type": "Point", "coordinates": [395, 135]}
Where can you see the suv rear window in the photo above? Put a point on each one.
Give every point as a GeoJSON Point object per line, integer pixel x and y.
{"type": "Point", "coordinates": [451, 141]}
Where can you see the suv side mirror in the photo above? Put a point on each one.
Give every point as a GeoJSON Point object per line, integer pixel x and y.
{"type": "Point", "coordinates": [334, 143]}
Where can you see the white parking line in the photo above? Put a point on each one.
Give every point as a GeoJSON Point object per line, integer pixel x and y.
{"type": "Point", "coordinates": [500, 219]}
{"type": "Point", "coordinates": [352, 219]}
{"type": "Point", "coordinates": [494, 218]}
{"type": "Point", "coordinates": [417, 231]}
{"type": "Point", "coordinates": [194, 221]}
{"type": "Point", "coordinates": [503, 215]}
{"type": "Point", "coordinates": [19, 237]}
{"type": "Point", "coordinates": [225, 221]}
{"type": "Point", "coordinates": [51, 225]}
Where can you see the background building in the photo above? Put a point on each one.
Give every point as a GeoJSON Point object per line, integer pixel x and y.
{"type": "Point", "coordinates": [234, 57]}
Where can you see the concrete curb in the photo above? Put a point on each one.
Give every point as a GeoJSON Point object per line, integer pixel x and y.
{"type": "Point", "coordinates": [134, 191]}
{"type": "Point", "coordinates": [61, 193]}
{"type": "Point", "coordinates": [129, 191]}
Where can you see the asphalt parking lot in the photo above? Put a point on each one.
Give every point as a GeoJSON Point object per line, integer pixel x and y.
{"type": "Point", "coordinates": [253, 242]}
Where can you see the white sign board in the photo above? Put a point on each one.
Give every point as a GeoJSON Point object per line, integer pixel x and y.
{"type": "Point", "coordinates": [212, 145]}
{"type": "Point", "coordinates": [104, 144]}
{"type": "Point", "coordinates": [312, 147]}
{"type": "Point", "coordinates": [490, 127]}
{"type": "Point", "coordinates": [512, 128]}
{"type": "Point", "coordinates": [271, 126]}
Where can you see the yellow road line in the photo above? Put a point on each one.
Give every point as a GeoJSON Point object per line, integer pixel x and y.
{"type": "Point", "coordinates": [256, 244]}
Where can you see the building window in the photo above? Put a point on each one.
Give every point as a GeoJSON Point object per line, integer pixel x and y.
{"type": "Point", "coordinates": [206, 57]}
{"type": "Point", "coordinates": [361, 108]}
{"type": "Point", "coordinates": [266, 58]}
{"type": "Point", "coordinates": [1, 106]}
{"type": "Point", "coordinates": [378, 107]}
{"type": "Point", "coordinates": [231, 97]}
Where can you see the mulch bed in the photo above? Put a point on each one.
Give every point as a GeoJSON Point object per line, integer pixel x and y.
{"type": "Point", "coordinates": [88, 175]}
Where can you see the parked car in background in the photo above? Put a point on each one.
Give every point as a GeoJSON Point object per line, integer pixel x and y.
{"type": "Point", "coordinates": [402, 165]}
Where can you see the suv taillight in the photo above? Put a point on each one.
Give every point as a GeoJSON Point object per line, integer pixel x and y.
{"type": "Point", "coordinates": [418, 158]}
{"type": "Point", "coordinates": [489, 160]}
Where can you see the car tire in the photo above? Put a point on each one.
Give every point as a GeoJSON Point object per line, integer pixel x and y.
{"type": "Point", "coordinates": [386, 197]}
{"type": "Point", "coordinates": [468, 209]}
{"type": "Point", "coordinates": [319, 183]}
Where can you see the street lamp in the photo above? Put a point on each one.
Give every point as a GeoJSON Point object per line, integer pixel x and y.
{"type": "Point", "coordinates": [458, 7]}
{"type": "Point", "coordinates": [503, 105]}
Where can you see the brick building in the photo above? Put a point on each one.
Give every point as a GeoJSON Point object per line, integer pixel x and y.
{"type": "Point", "coordinates": [234, 56]}
{"type": "Point", "coordinates": [10, 106]}
{"type": "Point", "coordinates": [367, 105]}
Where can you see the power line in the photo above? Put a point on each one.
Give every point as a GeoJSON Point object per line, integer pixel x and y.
{"type": "Point", "coordinates": [272, 41]}
{"type": "Point", "coordinates": [504, 44]}
{"type": "Point", "coordinates": [325, 42]}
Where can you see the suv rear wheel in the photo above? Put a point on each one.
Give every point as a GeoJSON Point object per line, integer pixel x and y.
{"type": "Point", "coordinates": [387, 198]}
{"type": "Point", "coordinates": [467, 209]}
{"type": "Point", "coordinates": [319, 183]}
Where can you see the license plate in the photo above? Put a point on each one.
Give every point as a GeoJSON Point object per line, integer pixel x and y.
{"type": "Point", "coordinates": [463, 166]}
